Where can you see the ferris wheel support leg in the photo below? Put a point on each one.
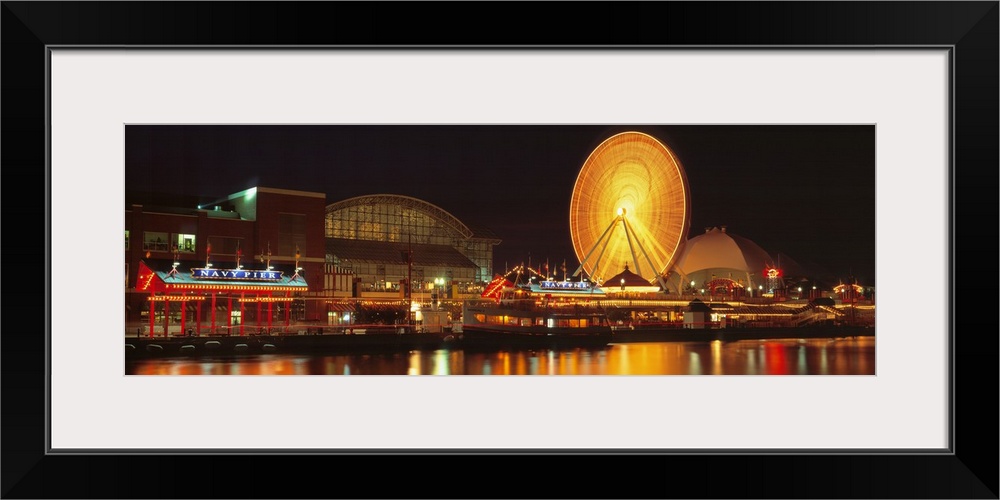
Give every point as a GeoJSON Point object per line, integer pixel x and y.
{"type": "Point", "coordinates": [597, 263]}
{"type": "Point", "coordinates": [598, 242]}
{"type": "Point", "coordinates": [642, 249]}
{"type": "Point", "coordinates": [628, 238]}
{"type": "Point", "coordinates": [683, 279]}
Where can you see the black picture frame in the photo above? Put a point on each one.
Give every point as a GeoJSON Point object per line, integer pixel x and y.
{"type": "Point", "coordinates": [968, 29]}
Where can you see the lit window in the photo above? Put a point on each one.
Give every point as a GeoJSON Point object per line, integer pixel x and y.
{"type": "Point", "coordinates": [185, 243]}
{"type": "Point", "coordinates": [126, 239]}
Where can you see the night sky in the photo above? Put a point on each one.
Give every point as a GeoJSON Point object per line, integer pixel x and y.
{"type": "Point", "coordinates": [806, 191]}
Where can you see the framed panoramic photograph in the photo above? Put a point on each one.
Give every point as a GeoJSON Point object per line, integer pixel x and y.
{"type": "Point", "coordinates": [555, 256]}
{"type": "Point", "coordinates": [712, 253]}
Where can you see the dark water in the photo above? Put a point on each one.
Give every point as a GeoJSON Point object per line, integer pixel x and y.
{"type": "Point", "coordinates": [844, 356]}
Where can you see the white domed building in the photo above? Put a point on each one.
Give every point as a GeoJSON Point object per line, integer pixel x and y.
{"type": "Point", "coordinates": [720, 262]}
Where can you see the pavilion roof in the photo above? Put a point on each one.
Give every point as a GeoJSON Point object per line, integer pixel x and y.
{"type": "Point", "coordinates": [631, 280]}
{"type": "Point", "coordinates": [495, 287]}
{"type": "Point", "coordinates": [159, 276]}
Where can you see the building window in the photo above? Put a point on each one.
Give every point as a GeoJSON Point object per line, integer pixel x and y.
{"type": "Point", "coordinates": [185, 243]}
{"type": "Point", "coordinates": [126, 239]}
{"type": "Point", "coordinates": [157, 242]}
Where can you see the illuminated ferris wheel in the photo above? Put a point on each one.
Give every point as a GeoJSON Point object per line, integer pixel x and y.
{"type": "Point", "coordinates": [631, 206]}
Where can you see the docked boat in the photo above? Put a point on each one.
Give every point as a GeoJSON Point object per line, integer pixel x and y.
{"type": "Point", "coordinates": [528, 323]}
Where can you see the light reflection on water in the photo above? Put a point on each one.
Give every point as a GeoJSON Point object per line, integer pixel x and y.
{"type": "Point", "coordinates": [844, 356]}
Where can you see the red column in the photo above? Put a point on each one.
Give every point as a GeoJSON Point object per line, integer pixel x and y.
{"type": "Point", "coordinates": [241, 314]}
{"type": "Point", "coordinates": [166, 316]}
{"type": "Point", "coordinates": [152, 315]}
{"type": "Point", "coordinates": [183, 316]}
{"type": "Point", "coordinates": [269, 313]}
{"type": "Point", "coordinates": [229, 316]}
{"type": "Point", "coordinates": [259, 319]}
{"type": "Point", "coordinates": [288, 309]}
{"type": "Point", "coordinates": [213, 312]}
